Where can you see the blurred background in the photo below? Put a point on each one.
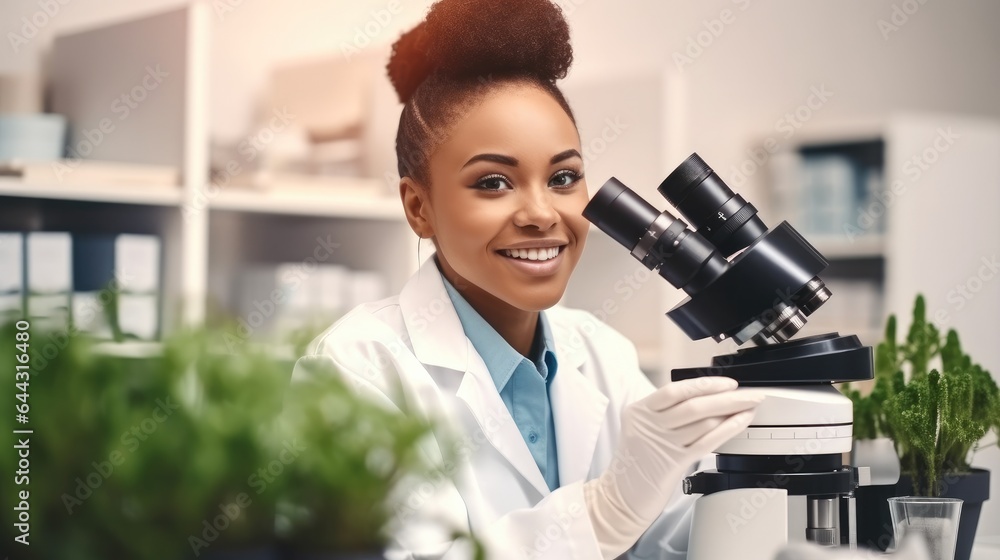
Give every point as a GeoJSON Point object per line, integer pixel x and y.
{"type": "Point", "coordinates": [202, 161]}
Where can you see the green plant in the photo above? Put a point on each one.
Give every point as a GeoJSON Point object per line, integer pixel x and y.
{"type": "Point", "coordinates": [192, 449]}
{"type": "Point", "coordinates": [936, 416]}
{"type": "Point", "coordinates": [97, 486]}
{"type": "Point", "coordinates": [375, 446]}
{"type": "Point", "coordinates": [869, 410]}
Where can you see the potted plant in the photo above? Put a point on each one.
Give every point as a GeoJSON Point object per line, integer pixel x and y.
{"type": "Point", "coordinates": [191, 451]}
{"type": "Point", "coordinates": [936, 405]}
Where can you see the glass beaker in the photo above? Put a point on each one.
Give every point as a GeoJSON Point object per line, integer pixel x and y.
{"type": "Point", "coordinates": [935, 519]}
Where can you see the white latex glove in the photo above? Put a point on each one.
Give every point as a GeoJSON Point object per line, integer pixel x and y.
{"type": "Point", "coordinates": [662, 435]}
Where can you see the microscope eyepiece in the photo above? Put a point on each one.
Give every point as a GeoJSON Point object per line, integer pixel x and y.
{"type": "Point", "coordinates": [723, 217]}
{"type": "Point", "coordinates": [657, 239]}
{"type": "Point", "coordinates": [763, 294]}
{"type": "Point", "coordinates": [620, 213]}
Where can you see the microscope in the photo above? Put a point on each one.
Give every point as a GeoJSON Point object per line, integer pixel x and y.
{"type": "Point", "coordinates": [783, 478]}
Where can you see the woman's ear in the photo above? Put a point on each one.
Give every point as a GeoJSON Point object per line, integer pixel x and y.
{"type": "Point", "coordinates": [416, 204]}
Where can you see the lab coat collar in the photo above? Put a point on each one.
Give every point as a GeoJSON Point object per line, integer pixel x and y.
{"type": "Point", "coordinates": [430, 318]}
{"type": "Point", "coordinates": [577, 405]}
{"type": "Point", "coordinates": [431, 321]}
{"type": "Point", "coordinates": [435, 329]}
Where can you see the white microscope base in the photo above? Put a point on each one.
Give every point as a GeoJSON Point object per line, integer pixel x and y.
{"type": "Point", "coordinates": [745, 523]}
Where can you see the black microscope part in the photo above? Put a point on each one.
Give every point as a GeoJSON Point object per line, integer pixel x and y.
{"type": "Point", "coordinates": [763, 294]}
{"type": "Point", "coordinates": [770, 273]}
{"type": "Point", "coordinates": [820, 359]}
{"type": "Point", "coordinates": [682, 257]}
{"type": "Point", "coordinates": [620, 213]}
{"type": "Point", "coordinates": [721, 216]}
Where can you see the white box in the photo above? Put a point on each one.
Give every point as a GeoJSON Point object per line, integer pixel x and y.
{"type": "Point", "coordinates": [90, 315]}
{"type": "Point", "coordinates": [137, 263]}
{"type": "Point", "coordinates": [138, 315]}
{"type": "Point", "coordinates": [11, 263]}
{"type": "Point", "coordinates": [50, 263]}
{"type": "Point", "coordinates": [49, 311]}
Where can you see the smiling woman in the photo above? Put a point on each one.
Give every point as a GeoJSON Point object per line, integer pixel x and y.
{"type": "Point", "coordinates": [552, 440]}
{"type": "Point", "coordinates": [508, 176]}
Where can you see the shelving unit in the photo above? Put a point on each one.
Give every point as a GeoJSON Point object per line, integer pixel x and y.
{"type": "Point", "coordinates": [210, 234]}
{"type": "Point", "coordinates": [827, 188]}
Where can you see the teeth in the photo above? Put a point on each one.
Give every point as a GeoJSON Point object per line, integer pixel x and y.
{"type": "Point", "coordinates": [542, 254]}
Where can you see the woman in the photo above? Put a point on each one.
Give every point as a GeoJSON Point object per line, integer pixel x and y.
{"type": "Point", "coordinates": [565, 448]}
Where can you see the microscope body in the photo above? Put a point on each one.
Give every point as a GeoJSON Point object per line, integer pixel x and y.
{"type": "Point", "coordinates": [782, 479]}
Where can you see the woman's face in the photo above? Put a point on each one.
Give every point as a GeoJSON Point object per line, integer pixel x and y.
{"type": "Point", "coordinates": [506, 200]}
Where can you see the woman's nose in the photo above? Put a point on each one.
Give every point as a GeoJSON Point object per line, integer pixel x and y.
{"type": "Point", "coordinates": [536, 209]}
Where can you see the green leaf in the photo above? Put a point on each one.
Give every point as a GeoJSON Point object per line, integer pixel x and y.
{"type": "Point", "coordinates": [922, 342]}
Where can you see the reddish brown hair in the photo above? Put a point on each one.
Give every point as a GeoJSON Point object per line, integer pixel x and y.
{"type": "Point", "coordinates": [463, 51]}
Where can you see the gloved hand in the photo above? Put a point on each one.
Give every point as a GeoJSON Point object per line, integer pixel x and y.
{"type": "Point", "coordinates": [662, 435]}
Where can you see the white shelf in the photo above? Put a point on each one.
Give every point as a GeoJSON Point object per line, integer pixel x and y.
{"type": "Point", "coordinates": [308, 203]}
{"type": "Point", "coordinates": [153, 196]}
{"type": "Point", "coordinates": [270, 202]}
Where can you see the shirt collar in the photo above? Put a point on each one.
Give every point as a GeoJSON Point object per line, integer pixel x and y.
{"type": "Point", "coordinates": [499, 356]}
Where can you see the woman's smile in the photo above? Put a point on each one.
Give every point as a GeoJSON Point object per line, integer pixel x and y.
{"type": "Point", "coordinates": [534, 260]}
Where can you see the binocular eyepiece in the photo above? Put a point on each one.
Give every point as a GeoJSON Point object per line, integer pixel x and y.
{"type": "Point", "coordinates": [727, 299]}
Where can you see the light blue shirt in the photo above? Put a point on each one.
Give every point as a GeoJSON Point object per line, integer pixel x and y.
{"type": "Point", "coordinates": [523, 384]}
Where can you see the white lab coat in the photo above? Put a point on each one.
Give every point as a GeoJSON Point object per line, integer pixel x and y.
{"type": "Point", "coordinates": [411, 348]}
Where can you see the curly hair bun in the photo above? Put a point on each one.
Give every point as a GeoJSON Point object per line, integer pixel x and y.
{"type": "Point", "coordinates": [482, 37]}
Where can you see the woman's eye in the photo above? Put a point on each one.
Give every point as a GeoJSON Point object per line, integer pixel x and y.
{"type": "Point", "coordinates": [493, 183]}
{"type": "Point", "coordinates": [565, 178]}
